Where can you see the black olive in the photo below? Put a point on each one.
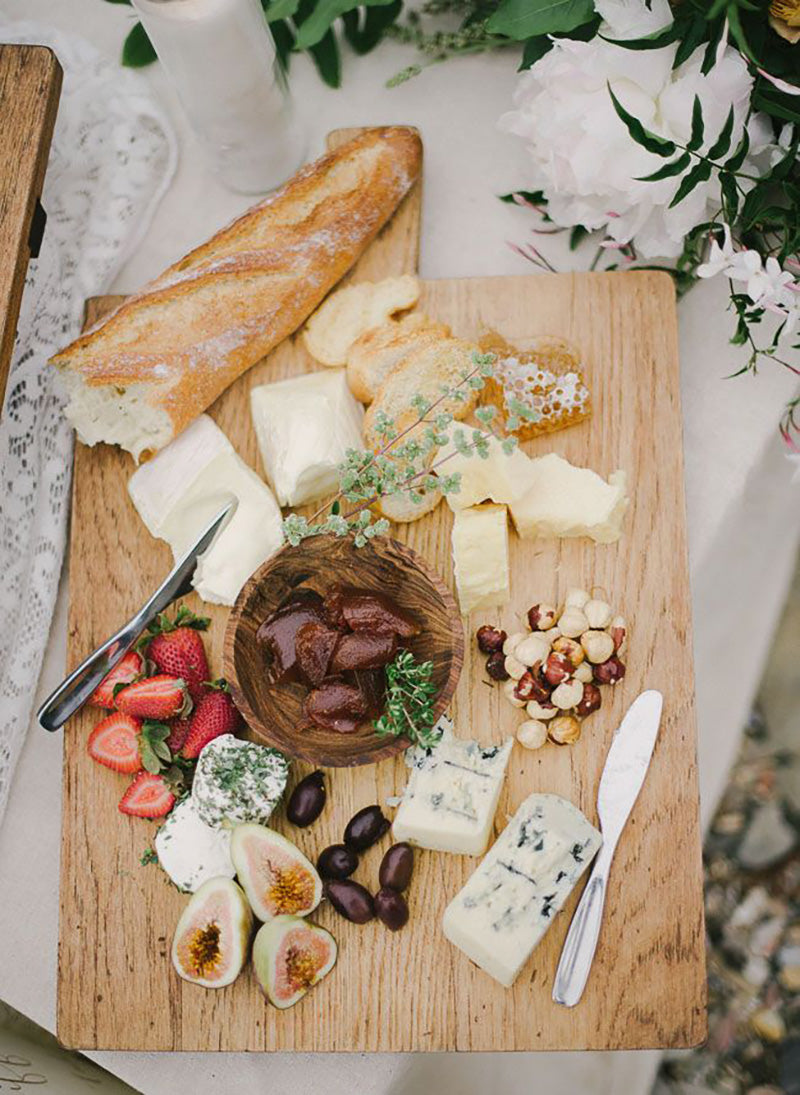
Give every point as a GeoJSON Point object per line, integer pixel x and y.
{"type": "Point", "coordinates": [365, 828]}
{"type": "Point", "coordinates": [396, 867]}
{"type": "Point", "coordinates": [352, 900]}
{"type": "Point", "coordinates": [391, 908]}
{"type": "Point", "coordinates": [307, 800]}
{"type": "Point", "coordinates": [337, 861]}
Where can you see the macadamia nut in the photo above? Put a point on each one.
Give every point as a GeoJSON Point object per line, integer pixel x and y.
{"type": "Point", "coordinates": [584, 672]}
{"type": "Point", "coordinates": [508, 692]}
{"type": "Point", "coordinates": [576, 598]}
{"type": "Point", "coordinates": [565, 730]}
{"type": "Point", "coordinates": [532, 734]}
{"type": "Point", "coordinates": [573, 622]}
{"type": "Point", "coordinates": [541, 711]}
{"type": "Point", "coordinates": [598, 613]}
{"type": "Point", "coordinates": [567, 695]}
{"type": "Point", "coordinates": [532, 649]}
{"type": "Point", "coordinates": [513, 641]}
{"type": "Point", "coordinates": [599, 646]}
{"type": "Point", "coordinates": [514, 667]}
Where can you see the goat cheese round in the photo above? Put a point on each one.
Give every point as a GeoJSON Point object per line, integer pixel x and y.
{"type": "Point", "coordinates": [237, 781]}
{"type": "Point", "coordinates": [192, 852]}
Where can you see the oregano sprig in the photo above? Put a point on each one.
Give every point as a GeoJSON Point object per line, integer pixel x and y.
{"type": "Point", "coordinates": [408, 710]}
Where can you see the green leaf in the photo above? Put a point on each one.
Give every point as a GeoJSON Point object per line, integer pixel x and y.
{"type": "Point", "coordinates": [657, 145]}
{"type": "Point", "coordinates": [698, 126]}
{"type": "Point", "coordinates": [325, 55]}
{"type": "Point", "coordinates": [691, 37]}
{"type": "Point", "coordinates": [137, 50]}
{"type": "Point", "coordinates": [283, 38]}
{"type": "Point", "coordinates": [657, 40]}
{"type": "Point", "coordinates": [279, 9]}
{"type": "Point", "coordinates": [521, 19]}
{"type": "Point", "coordinates": [118, 2]}
{"type": "Point", "coordinates": [577, 235]}
{"type": "Point", "coordinates": [699, 173]}
{"type": "Point", "coordinates": [710, 55]}
{"type": "Point", "coordinates": [783, 168]}
{"type": "Point", "coordinates": [723, 142]}
{"type": "Point", "coordinates": [315, 27]}
{"type": "Point", "coordinates": [534, 49]}
{"type": "Point", "coordinates": [669, 170]}
{"type": "Point", "coordinates": [730, 195]}
{"type": "Point", "coordinates": [364, 34]}
{"type": "Point", "coordinates": [535, 197]}
{"type": "Point", "coordinates": [737, 33]}
{"type": "Point", "coordinates": [740, 153]}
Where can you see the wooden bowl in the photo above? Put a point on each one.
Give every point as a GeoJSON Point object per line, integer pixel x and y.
{"type": "Point", "coordinates": [274, 712]}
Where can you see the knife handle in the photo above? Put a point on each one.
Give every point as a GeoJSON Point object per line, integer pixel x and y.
{"type": "Point", "coordinates": [581, 942]}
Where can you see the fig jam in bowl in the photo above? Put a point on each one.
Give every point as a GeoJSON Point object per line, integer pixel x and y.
{"type": "Point", "coordinates": [350, 607]}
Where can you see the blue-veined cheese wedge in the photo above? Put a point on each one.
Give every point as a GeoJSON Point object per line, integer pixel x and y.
{"type": "Point", "coordinates": [510, 901]}
{"type": "Point", "coordinates": [238, 781]}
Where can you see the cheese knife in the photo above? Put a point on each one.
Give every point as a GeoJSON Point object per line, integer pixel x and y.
{"type": "Point", "coordinates": [73, 693]}
{"type": "Point", "coordinates": [623, 775]}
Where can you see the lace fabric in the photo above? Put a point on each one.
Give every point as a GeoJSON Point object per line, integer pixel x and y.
{"type": "Point", "coordinates": [112, 157]}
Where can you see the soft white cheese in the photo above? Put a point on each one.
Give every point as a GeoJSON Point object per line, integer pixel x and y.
{"type": "Point", "coordinates": [510, 901]}
{"type": "Point", "coordinates": [480, 557]}
{"type": "Point", "coordinates": [451, 796]}
{"type": "Point", "coordinates": [498, 477]}
{"type": "Point", "coordinates": [237, 781]}
{"type": "Point", "coordinates": [304, 426]}
{"type": "Point", "coordinates": [179, 492]}
{"type": "Point", "coordinates": [562, 500]}
{"type": "Point", "coordinates": [192, 852]}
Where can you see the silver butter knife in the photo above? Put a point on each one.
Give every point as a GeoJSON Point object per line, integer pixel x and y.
{"type": "Point", "coordinates": [623, 775]}
{"type": "Point", "coordinates": [73, 693]}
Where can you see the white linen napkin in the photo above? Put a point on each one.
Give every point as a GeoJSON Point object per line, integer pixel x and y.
{"type": "Point", "coordinates": [113, 156]}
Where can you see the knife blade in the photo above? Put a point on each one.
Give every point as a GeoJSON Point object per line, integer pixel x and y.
{"type": "Point", "coordinates": [623, 775]}
{"type": "Point", "coordinates": [73, 693]}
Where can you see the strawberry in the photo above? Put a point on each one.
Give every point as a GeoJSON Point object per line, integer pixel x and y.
{"type": "Point", "coordinates": [114, 742]}
{"type": "Point", "coordinates": [177, 649]}
{"type": "Point", "coordinates": [160, 697]}
{"type": "Point", "coordinates": [125, 671]}
{"type": "Point", "coordinates": [215, 714]}
{"type": "Point", "coordinates": [147, 796]}
{"type": "Point", "coordinates": [179, 730]}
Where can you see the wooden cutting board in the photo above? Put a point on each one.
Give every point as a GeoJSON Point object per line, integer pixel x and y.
{"type": "Point", "coordinates": [413, 990]}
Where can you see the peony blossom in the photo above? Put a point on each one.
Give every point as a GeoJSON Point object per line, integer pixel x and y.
{"type": "Point", "coordinates": [583, 157]}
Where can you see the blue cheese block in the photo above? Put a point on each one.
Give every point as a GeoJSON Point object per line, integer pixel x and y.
{"type": "Point", "coordinates": [512, 898]}
{"type": "Point", "coordinates": [451, 796]}
{"type": "Point", "coordinates": [237, 781]}
{"type": "Point", "coordinates": [192, 852]}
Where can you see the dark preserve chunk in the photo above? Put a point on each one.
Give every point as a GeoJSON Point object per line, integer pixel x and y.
{"type": "Point", "coordinates": [365, 610]}
{"type": "Point", "coordinates": [278, 633]}
{"type": "Point", "coordinates": [336, 705]}
{"type": "Point", "coordinates": [372, 683]}
{"type": "Point", "coordinates": [314, 647]}
{"type": "Point", "coordinates": [363, 650]}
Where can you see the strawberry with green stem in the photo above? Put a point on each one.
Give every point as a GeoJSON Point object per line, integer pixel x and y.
{"type": "Point", "coordinates": [128, 669]}
{"type": "Point", "coordinates": [149, 795]}
{"type": "Point", "coordinates": [176, 648]}
{"type": "Point", "coordinates": [214, 715]}
{"type": "Point", "coordinates": [160, 697]}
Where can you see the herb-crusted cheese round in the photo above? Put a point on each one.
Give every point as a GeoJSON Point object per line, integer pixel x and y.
{"type": "Point", "coordinates": [237, 781]}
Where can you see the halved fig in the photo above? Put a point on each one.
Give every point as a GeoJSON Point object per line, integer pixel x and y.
{"type": "Point", "coordinates": [290, 956]}
{"type": "Point", "coordinates": [210, 943]}
{"type": "Point", "coordinates": [276, 876]}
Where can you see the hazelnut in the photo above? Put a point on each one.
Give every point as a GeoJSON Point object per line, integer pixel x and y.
{"type": "Point", "coordinates": [490, 639]}
{"type": "Point", "coordinates": [572, 649]}
{"type": "Point", "coordinates": [599, 646]}
{"type": "Point", "coordinates": [532, 734]}
{"type": "Point", "coordinates": [508, 691]}
{"type": "Point", "coordinates": [541, 617]}
{"type": "Point", "coordinates": [590, 701]}
{"type": "Point", "coordinates": [565, 730]}
{"type": "Point", "coordinates": [584, 672]}
{"type": "Point", "coordinates": [567, 695]}
{"type": "Point", "coordinates": [557, 668]}
{"type": "Point", "coordinates": [551, 635]}
{"type": "Point", "coordinates": [576, 598]}
{"type": "Point", "coordinates": [530, 686]}
{"type": "Point", "coordinates": [573, 622]}
{"type": "Point", "coordinates": [496, 666]}
{"type": "Point", "coordinates": [530, 650]}
{"type": "Point", "coordinates": [618, 630]}
{"type": "Point", "coordinates": [610, 671]}
{"type": "Point", "coordinates": [513, 641]}
{"type": "Point", "coordinates": [514, 667]}
{"type": "Point", "coordinates": [598, 613]}
{"type": "Point", "coordinates": [541, 710]}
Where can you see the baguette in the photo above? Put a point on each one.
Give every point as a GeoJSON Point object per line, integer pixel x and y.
{"type": "Point", "coordinates": [146, 371]}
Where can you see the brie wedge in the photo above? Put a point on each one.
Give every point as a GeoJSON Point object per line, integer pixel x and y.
{"type": "Point", "coordinates": [500, 477]}
{"type": "Point", "coordinates": [480, 557]}
{"type": "Point", "coordinates": [180, 491]}
{"type": "Point", "coordinates": [562, 500]}
{"type": "Point", "coordinates": [304, 426]}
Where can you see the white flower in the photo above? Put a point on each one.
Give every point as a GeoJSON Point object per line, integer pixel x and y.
{"type": "Point", "coordinates": [784, 143]}
{"type": "Point", "coordinates": [583, 156]}
{"type": "Point", "coordinates": [769, 286]}
{"type": "Point", "coordinates": [719, 258]}
{"type": "Point", "coordinates": [632, 18]}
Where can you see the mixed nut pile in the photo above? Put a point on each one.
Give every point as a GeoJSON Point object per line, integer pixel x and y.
{"type": "Point", "coordinates": [554, 670]}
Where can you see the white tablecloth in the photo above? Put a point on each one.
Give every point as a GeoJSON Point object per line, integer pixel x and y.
{"type": "Point", "coordinates": [744, 520]}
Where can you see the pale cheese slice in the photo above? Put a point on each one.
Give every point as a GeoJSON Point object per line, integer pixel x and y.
{"type": "Point", "coordinates": [480, 557]}
{"type": "Point", "coordinates": [499, 477]}
{"type": "Point", "coordinates": [563, 501]}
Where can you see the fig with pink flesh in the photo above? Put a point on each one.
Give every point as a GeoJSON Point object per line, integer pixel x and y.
{"type": "Point", "coordinates": [275, 875]}
{"type": "Point", "coordinates": [210, 943]}
{"type": "Point", "coordinates": [290, 955]}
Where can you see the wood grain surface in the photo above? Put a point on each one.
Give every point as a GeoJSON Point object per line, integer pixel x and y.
{"type": "Point", "coordinates": [30, 83]}
{"type": "Point", "coordinates": [412, 990]}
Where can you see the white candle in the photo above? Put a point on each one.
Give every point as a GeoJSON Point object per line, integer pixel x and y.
{"type": "Point", "coordinates": [220, 57]}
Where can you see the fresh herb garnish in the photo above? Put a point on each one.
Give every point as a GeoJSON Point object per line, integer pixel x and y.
{"type": "Point", "coordinates": [149, 855]}
{"type": "Point", "coordinates": [409, 701]}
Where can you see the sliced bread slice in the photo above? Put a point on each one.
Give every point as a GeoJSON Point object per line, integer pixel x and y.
{"type": "Point", "coordinates": [346, 314]}
{"type": "Point", "coordinates": [373, 356]}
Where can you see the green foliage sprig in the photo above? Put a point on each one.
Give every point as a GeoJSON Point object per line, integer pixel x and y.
{"type": "Point", "coordinates": [410, 692]}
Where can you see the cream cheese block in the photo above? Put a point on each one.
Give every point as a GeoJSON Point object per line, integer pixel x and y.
{"type": "Point", "coordinates": [512, 898]}
{"type": "Point", "coordinates": [451, 796]}
{"type": "Point", "coordinates": [304, 426]}
{"type": "Point", "coordinates": [480, 557]}
{"type": "Point", "coordinates": [190, 851]}
{"type": "Point", "coordinates": [180, 491]}
{"type": "Point", "coordinates": [498, 477]}
{"type": "Point", "coordinates": [562, 500]}
{"type": "Point", "coordinates": [237, 781]}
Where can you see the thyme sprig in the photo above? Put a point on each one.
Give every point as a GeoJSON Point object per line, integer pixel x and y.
{"type": "Point", "coordinates": [410, 692]}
